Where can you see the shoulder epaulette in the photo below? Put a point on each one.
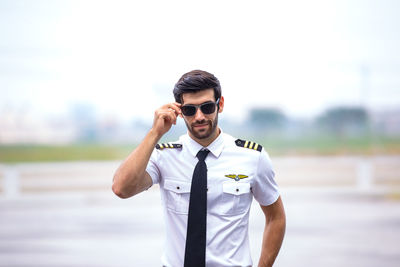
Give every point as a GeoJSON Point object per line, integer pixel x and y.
{"type": "Point", "coordinates": [168, 145]}
{"type": "Point", "coordinates": [248, 144]}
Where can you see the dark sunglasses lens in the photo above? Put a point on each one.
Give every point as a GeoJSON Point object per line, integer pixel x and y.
{"type": "Point", "coordinates": [188, 110]}
{"type": "Point", "coordinates": [208, 108]}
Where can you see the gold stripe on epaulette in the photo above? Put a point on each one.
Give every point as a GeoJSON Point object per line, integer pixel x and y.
{"type": "Point", "coordinates": [251, 145]}
{"type": "Point", "coordinates": [248, 144]}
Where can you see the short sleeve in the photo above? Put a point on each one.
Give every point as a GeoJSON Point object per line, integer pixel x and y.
{"type": "Point", "coordinates": [152, 167]}
{"type": "Point", "coordinates": [265, 189]}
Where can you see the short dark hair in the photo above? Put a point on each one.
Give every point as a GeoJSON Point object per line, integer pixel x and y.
{"type": "Point", "coordinates": [194, 81]}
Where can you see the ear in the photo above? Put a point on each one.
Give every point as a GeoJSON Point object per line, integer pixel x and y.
{"type": "Point", "coordinates": [221, 104]}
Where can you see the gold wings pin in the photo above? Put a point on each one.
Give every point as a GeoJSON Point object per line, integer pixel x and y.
{"type": "Point", "coordinates": [236, 177]}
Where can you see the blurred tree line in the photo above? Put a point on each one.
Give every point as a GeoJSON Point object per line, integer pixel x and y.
{"type": "Point", "coordinates": [337, 121]}
{"type": "Point", "coordinates": [344, 121]}
{"type": "Point", "coordinates": [337, 130]}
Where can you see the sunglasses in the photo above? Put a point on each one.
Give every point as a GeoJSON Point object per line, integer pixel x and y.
{"type": "Point", "coordinates": [206, 108]}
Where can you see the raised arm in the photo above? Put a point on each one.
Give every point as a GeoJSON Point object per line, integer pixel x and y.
{"type": "Point", "coordinates": [274, 231]}
{"type": "Point", "coordinates": [131, 177]}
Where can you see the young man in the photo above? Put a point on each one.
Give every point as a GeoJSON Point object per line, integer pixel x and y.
{"type": "Point", "coordinates": [207, 181]}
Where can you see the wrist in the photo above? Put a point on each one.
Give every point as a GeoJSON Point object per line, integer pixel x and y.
{"type": "Point", "coordinates": [154, 136]}
{"type": "Point", "coordinates": [265, 262]}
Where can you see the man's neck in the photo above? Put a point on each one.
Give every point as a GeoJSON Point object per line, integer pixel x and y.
{"type": "Point", "coordinates": [206, 141]}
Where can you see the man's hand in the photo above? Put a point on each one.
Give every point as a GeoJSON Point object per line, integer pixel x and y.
{"type": "Point", "coordinates": [165, 116]}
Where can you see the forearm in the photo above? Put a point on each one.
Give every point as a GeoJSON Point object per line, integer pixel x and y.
{"type": "Point", "coordinates": [129, 179]}
{"type": "Point", "coordinates": [274, 232]}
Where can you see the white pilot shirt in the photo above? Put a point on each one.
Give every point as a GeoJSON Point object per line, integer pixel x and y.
{"type": "Point", "coordinates": [228, 199]}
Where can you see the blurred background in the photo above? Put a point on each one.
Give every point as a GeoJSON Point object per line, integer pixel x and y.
{"type": "Point", "coordinates": [317, 83]}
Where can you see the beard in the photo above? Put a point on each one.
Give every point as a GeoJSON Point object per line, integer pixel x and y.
{"type": "Point", "coordinates": [205, 132]}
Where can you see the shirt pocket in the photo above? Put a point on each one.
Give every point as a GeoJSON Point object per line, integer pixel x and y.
{"type": "Point", "coordinates": [177, 196]}
{"type": "Point", "coordinates": [236, 197]}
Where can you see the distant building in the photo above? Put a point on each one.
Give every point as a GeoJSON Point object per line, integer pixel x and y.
{"type": "Point", "coordinates": [16, 127]}
{"type": "Point", "coordinates": [387, 122]}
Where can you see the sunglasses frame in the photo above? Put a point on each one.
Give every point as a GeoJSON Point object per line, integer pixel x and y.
{"type": "Point", "coordinates": [216, 103]}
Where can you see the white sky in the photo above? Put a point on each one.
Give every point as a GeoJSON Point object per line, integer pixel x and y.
{"type": "Point", "coordinates": [124, 57]}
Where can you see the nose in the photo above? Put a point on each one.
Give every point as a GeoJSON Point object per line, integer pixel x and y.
{"type": "Point", "coordinates": [199, 115]}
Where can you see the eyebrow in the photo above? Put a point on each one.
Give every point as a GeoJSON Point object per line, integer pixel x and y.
{"type": "Point", "coordinates": [208, 101]}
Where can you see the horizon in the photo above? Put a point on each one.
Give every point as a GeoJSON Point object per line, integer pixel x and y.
{"type": "Point", "coordinates": [124, 57]}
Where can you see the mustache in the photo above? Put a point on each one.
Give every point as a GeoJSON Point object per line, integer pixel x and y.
{"type": "Point", "coordinates": [201, 122]}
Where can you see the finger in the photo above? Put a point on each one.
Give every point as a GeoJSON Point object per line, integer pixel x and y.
{"type": "Point", "coordinates": [175, 106]}
{"type": "Point", "coordinates": [173, 113]}
{"type": "Point", "coordinates": [169, 115]}
{"type": "Point", "coordinates": [173, 116]}
{"type": "Point", "coordinates": [165, 109]}
{"type": "Point", "coordinates": [179, 112]}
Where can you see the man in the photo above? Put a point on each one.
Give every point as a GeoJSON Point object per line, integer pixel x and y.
{"type": "Point", "coordinates": [207, 181]}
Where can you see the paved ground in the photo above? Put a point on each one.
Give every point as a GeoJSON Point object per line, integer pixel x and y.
{"type": "Point", "coordinates": [340, 212]}
{"type": "Point", "coordinates": [325, 228]}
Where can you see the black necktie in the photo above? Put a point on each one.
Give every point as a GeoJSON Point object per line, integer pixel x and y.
{"type": "Point", "coordinates": [195, 250]}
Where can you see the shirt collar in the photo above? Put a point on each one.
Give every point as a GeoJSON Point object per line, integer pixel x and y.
{"type": "Point", "coordinates": [215, 147]}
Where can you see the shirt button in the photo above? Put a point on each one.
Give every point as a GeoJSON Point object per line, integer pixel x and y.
{"type": "Point", "coordinates": [237, 189]}
{"type": "Point", "coordinates": [178, 187]}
